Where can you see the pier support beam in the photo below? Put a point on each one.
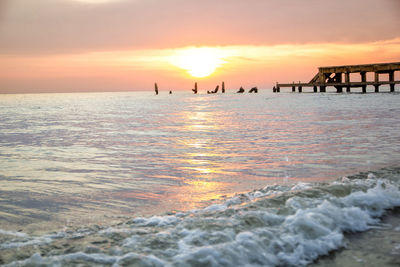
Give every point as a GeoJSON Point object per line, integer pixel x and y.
{"type": "Point", "coordinates": [293, 88]}
{"type": "Point", "coordinates": [376, 82]}
{"type": "Point", "coordinates": [363, 79]}
{"type": "Point", "coordinates": [315, 89]}
{"type": "Point", "coordinates": [338, 79]}
{"type": "Point", "coordinates": [322, 89]}
{"type": "Point", "coordinates": [300, 89]}
{"type": "Point", "coordinates": [391, 79]}
{"type": "Point", "coordinates": [347, 80]}
{"type": "Point", "coordinates": [278, 89]}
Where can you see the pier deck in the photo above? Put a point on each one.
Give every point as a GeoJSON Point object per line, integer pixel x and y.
{"type": "Point", "coordinates": [333, 76]}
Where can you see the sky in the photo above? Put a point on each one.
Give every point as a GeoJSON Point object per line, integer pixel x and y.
{"type": "Point", "coordinates": [125, 45]}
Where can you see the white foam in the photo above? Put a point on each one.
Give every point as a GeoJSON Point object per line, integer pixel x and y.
{"type": "Point", "coordinates": [140, 260]}
{"type": "Point", "coordinates": [383, 196]}
{"type": "Point", "coordinates": [12, 233]}
{"type": "Point", "coordinates": [233, 201]}
{"type": "Point", "coordinates": [215, 207]}
{"type": "Point", "coordinates": [156, 220]}
{"type": "Point", "coordinates": [37, 260]}
{"type": "Point", "coordinates": [257, 233]}
{"type": "Point", "coordinates": [345, 179]}
{"type": "Point", "coordinates": [258, 194]}
{"type": "Point", "coordinates": [26, 242]}
{"type": "Point", "coordinates": [301, 186]}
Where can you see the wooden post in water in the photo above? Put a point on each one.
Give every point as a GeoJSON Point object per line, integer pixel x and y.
{"type": "Point", "coordinates": [322, 80]}
{"type": "Point", "coordinates": [363, 79]}
{"type": "Point", "coordinates": [223, 87]}
{"type": "Point", "coordinates": [376, 82]}
{"type": "Point", "coordinates": [300, 88]}
{"type": "Point", "coordinates": [347, 80]}
{"type": "Point", "coordinates": [195, 88]}
{"type": "Point", "coordinates": [338, 79]}
{"type": "Point", "coordinates": [156, 88]}
{"type": "Point", "coordinates": [315, 89]}
{"type": "Point", "coordinates": [293, 89]}
{"type": "Point", "coordinates": [391, 79]}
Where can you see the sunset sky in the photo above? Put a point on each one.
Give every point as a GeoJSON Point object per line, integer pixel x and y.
{"type": "Point", "coordinates": [123, 45]}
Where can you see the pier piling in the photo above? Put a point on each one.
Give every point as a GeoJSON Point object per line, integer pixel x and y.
{"type": "Point", "coordinates": [347, 81]}
{"type": "Point", "coordinates": [376, 85]}
{"type": "Point", "coordinates": [363, 80]}
{"type": "Point", "coordinates": [391, 80]}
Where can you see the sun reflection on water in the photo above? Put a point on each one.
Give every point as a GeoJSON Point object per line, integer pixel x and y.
{"type": "Point", "coordinates": [201, 158]}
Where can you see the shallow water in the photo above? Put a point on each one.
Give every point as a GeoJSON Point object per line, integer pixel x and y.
{"type": "Point", "coordinates": [73, 159]}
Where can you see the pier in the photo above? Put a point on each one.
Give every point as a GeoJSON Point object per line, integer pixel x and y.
{"type": "Point", "coordinates": [339, 77]}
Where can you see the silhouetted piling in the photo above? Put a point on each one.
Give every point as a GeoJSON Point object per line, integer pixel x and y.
{"type": "Point", "coordinates": [195, 88]}
{"type": "Point", "coordinates": [253, 90]}
{"type": "Point", "coordinates": [215, 90]}
{"type": "Point", "coordinates": [241, 90]}
{"type": "Point", "coordinates": [156, 88]}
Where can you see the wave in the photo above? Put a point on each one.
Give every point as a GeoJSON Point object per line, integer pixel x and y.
{"type": "Point", "coordinates": [279, 225]}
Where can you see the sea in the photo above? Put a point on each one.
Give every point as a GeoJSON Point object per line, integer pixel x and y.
{"type": "Point", "coordinates": [138, 179]}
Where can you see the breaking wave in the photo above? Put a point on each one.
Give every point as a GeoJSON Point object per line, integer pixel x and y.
{"type": "Point", "coordinates": [279, 225]}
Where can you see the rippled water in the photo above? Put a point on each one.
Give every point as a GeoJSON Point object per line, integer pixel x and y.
{"type": "Point", "coordinates": [73, 159]}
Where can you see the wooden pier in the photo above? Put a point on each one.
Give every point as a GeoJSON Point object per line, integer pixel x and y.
{"type": "Point", "coordinates": [333, 76]}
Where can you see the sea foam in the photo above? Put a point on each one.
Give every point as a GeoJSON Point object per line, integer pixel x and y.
{"type": "Point", "coordinates": [274, 226]}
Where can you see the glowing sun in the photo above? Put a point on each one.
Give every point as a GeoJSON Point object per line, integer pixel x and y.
{"type": "Point", "coordinates": [198, 62]}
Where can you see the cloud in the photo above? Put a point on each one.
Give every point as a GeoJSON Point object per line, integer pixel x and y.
{"type": "Point", "coordinates": [97, 2]}
{"type": "Point", "coordinates": [68, 26]}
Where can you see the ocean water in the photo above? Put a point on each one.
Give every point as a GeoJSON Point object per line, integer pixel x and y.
{"type": "Point", "coordinates": [264, 179]}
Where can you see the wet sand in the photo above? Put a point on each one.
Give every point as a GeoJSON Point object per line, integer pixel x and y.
{"type": "Point", "coordinates": [376, 247]}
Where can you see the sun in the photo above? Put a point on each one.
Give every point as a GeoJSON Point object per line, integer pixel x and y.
{"type": "Point", "coordinates": [199, 61]}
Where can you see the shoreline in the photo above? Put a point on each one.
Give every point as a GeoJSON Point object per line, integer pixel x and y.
{"type": "Point", "coordinates": [379, 246]}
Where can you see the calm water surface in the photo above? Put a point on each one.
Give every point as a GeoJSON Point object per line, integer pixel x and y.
{"type": "Point", "coordinates": [72, 159]}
